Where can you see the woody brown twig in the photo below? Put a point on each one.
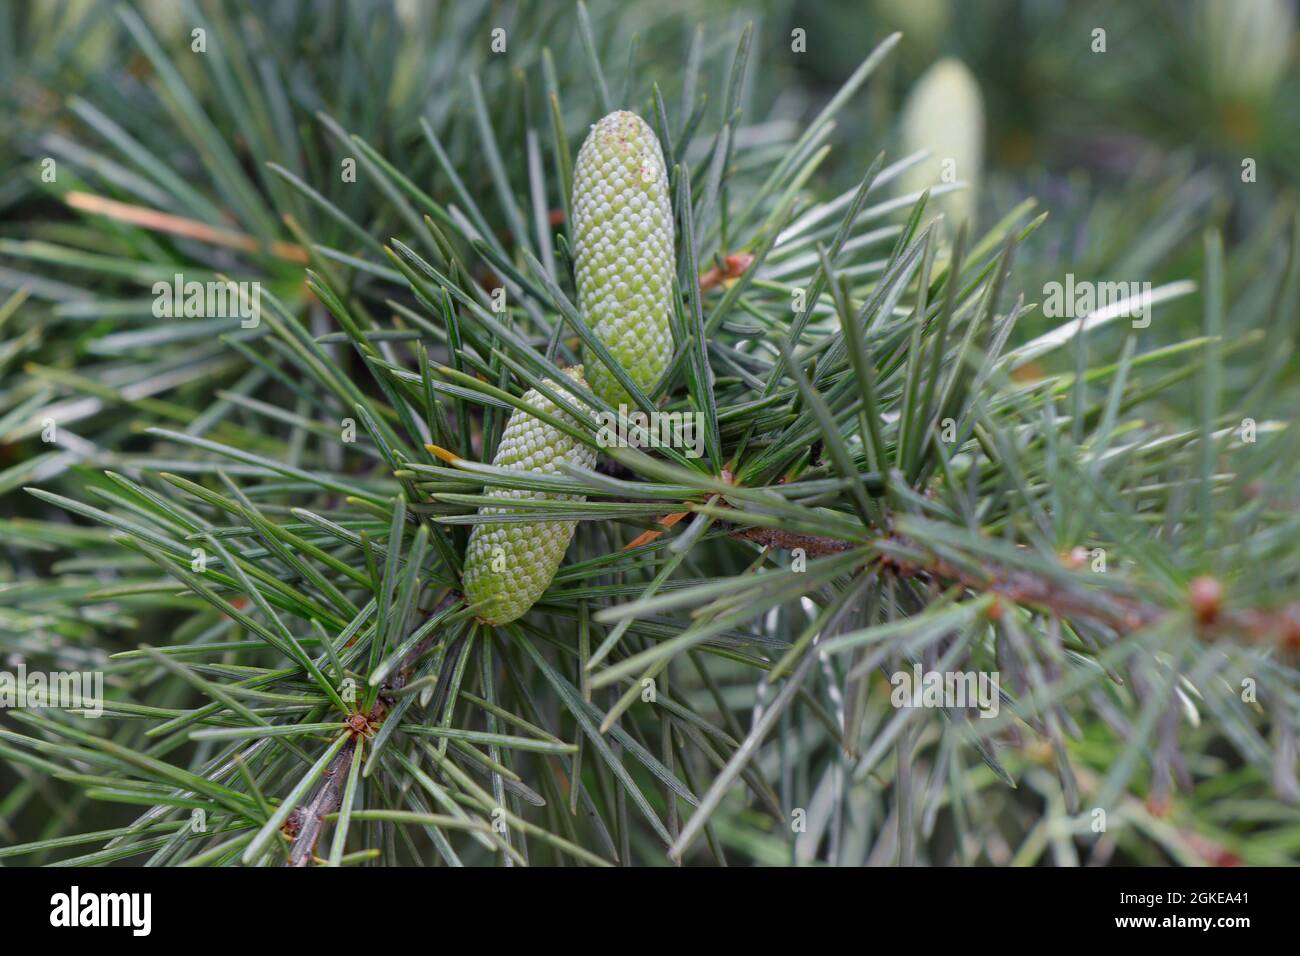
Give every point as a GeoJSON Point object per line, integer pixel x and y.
{"type": "Point", "coordinates": [1123, 614]}
{"type": "Point", "coordinates": [305, 824]}
{"type": "Point", "coordinates": [815, 546]}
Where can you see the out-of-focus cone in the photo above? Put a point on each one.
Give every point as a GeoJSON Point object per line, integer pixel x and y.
{"type": "Point", "coordinates": [1246, 46]}
{"type": "Point", "coordinates": [944, 115]}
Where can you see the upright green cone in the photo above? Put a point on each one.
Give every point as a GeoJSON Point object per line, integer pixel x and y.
{"type": "Point", "coordinates": [623, 250]}
{"type": "Point", "coordinates": [1245, 46]}
{"type": "Point", "coordinates": [509, 565]}
{"type": "Point", "coordinates": [944, 115]}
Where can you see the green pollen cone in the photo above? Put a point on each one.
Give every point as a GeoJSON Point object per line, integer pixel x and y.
{"type": "Point", "coordinates": [508, 566]}
{"type": "Point", "coordinates": [623, 252]}
{"type": "Point", "coordinates": [944, 115]}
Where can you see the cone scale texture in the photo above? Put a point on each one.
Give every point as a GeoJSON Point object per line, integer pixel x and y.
{"type": "Point", "coordinates": [509, 565]}
{"type": "Point", "coordinates": [623, 252]}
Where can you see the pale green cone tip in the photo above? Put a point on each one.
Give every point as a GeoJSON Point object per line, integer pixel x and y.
{"type": "Point", "coordinates": [623, 252]}
{"type": "Point", "coordinates": [1245, 46]}
{"type": "Point", "coordinates": [944, 115]}
{"type": "Point", "coordinates": [508, 566]}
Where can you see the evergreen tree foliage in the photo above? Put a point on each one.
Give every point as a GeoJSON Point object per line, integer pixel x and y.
{"type": "Point", "coordinates": [256, 524]}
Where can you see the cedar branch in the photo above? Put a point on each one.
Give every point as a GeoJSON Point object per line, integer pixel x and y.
{"type": "Point", "coordinates": [306, 823]}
